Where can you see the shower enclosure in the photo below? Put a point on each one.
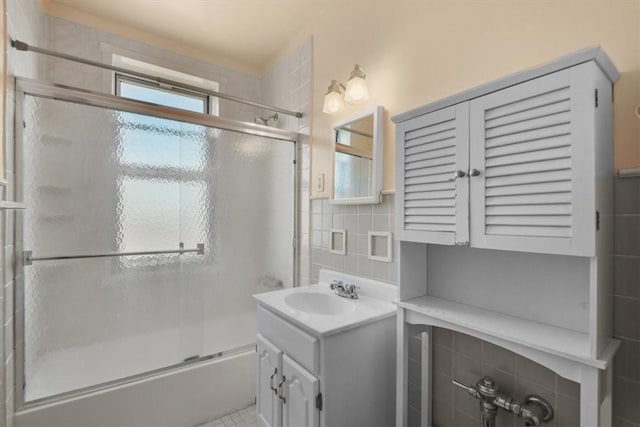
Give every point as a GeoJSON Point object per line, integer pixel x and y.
{"type": "Point", "coordinates": [146, 232]}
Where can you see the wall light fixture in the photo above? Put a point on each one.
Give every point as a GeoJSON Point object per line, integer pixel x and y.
{"type": "Point", "coordinates": [356, 91]}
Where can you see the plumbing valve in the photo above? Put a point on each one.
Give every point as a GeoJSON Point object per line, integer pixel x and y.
{"type": "Point", "coordinates": [534, 409]}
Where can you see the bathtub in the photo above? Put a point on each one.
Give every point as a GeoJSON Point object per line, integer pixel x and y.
{"type": "Point", "coordinates": [180, 397]}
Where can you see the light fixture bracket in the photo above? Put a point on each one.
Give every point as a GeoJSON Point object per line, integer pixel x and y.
{"type": "Point", "coordinates": [357, 72]}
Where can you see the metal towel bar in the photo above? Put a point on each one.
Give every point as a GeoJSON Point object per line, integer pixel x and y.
{"type": "Point", "coordinates": [29, 258]}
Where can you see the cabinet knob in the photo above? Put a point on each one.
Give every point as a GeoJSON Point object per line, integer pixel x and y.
{"type": "Point", "coordinates": [474, 172]}
{"type": "Point", "coordinates": [458, 174]}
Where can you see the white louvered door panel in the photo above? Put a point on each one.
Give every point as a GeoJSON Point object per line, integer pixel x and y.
{"type": "Point", "coordinates": [534, 156]}
{"type": "Point", "coordinates": [433, 204]}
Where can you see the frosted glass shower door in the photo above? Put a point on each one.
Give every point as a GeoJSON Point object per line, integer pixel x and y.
{"type": "Point", "coordinates": [101, 181]}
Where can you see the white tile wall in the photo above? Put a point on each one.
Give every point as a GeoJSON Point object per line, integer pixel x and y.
{"type": "Point", "coordinates": [25, 22]}
{"type": "Point", "coordinates": [76, 39]}
{"type": "Point", "coordinates": [288, 84]}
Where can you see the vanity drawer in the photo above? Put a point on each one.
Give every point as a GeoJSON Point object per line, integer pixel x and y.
{"type": "Point", "coordinates": [292, 340]}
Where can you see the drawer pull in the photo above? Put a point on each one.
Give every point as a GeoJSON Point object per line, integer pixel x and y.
{"type": "Point", "coordinates": [275, 390]}
{"type": "Point", "coordinates": [281, 390]}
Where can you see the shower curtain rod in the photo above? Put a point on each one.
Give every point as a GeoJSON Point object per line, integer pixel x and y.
{"type": "Point", "coordinates": [25, 47]}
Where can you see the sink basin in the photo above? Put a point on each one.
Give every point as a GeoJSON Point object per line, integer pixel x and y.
{"type": "Point", "coordinates": [317, 303]}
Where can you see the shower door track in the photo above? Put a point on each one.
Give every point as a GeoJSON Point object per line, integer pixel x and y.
{"type": "Point", "coordinates": [38, 88]}
{"type": "Point", "coordinates": [133, 378]}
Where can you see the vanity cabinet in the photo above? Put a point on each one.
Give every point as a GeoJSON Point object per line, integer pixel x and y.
{"type": "Point", "coordinates": [341, 374]}
{"type": "Point", "coordinates": [286, 392]}
{"type": "Point", "coordinates": [504, 216]}
{"type": "Point", "coordinates": [515, 169]}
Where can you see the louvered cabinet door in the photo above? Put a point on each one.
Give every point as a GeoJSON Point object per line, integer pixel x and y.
{"type": "Point", "coordinates": [432, 162]}
{"type": "Point", "coordinates": [530, 145]}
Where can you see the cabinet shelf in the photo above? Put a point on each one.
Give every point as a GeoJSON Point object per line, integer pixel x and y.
{"type": "Point", "coordinates": [484, 323]}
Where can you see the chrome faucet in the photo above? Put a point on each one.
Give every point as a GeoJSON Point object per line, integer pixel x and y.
{"type": "Point", "coordinates": [345, 291]}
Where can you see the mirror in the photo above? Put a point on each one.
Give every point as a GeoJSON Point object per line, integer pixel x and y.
{"type": "Point", "coordinates": [357, 159]}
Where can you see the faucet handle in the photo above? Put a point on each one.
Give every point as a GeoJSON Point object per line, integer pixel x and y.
{"type": "Point", "coordinates": [335, 284]}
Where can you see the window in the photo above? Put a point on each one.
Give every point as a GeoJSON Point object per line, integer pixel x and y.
{"type": "Point", "coordinates": [162, 166]}
{"type": "Point", "coordinates": [141, 90]}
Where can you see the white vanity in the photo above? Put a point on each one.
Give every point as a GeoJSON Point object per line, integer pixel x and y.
{"type": "Point", "coordinates": [504, 207]}
{"type": "Point", "coordinates": [325, 360]}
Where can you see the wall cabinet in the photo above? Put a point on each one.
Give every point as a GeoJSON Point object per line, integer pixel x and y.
{"type": "Point", "coordinates": [519, 172]}
{"type": "Point", "coordinates": [514, 169]}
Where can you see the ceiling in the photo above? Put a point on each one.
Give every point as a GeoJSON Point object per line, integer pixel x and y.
{"type": "Point", "coordinates": [248, 32]}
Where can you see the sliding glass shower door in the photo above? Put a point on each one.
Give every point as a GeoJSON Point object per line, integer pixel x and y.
{"type": "Point", "coordinates": [119, 207]}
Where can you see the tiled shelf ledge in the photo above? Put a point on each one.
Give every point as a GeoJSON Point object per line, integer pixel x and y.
{"type": "Point", "coordinates": [506, 330]}
{"type": "Point", "coordinates": [4, 205]}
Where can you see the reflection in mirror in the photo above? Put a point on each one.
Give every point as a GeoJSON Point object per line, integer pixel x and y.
{"type": "Point", "coordinates": [357, 159]}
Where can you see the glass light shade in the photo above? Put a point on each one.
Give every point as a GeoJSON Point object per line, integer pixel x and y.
{"type": "Point", "coordinates": [332, 103]}
{"type": "Point", "coordinates": [356, 90]}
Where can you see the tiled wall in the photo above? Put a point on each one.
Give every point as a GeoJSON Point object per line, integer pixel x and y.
{"type": "Point", "coordinates": [25, 21]}
{"type": "Point", "coordinates": [90, 43]}
{"type": "Point", "coordinates": [626, 302]}
{"type": "Point", "coordinates": [288, 84]}
{"type": "Point", "coordinates": [466, 359]}
{"type": "Point", "coordinates": [357, 220]}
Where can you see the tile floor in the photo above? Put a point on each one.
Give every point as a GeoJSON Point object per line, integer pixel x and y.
{"type": "Point", "coordinates": [242, 418]}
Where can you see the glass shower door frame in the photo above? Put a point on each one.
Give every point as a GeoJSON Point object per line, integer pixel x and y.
{"type": "Point", "coordinates": [42, 89]}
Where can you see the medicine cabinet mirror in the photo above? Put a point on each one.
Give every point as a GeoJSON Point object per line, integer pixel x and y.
{"type": "Point", "coordinates": [357, 159]}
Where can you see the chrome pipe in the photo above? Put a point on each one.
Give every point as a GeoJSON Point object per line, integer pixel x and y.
{"type": "Point", "coordinates": [28, 258]}
{"type": "Point", "coordinates": [25, 47]}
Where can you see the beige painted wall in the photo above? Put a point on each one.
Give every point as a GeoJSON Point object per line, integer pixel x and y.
{"type": "Point", "coordinates": [418, 51]}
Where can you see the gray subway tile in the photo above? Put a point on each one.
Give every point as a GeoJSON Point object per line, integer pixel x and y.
{"type": "Point", "coordinates": [627, 276]}
{"type": "Point", "coordinates": [498, 357]}
{"type": "Point", "coordinates": [442, 414]}
{"type": "Point", "coordinates": [567, 412]}
{"type": "Point", "coordinates": [626, 317]}
{"type": "Point", "coordinates": [414, 396]}
{"type": "Point", "coordinates": [466, 370]}
{"type": "Point", "coordinates": [380, 223]}
{"type": "Point", "coordinates": [380, 270]}
{"type": "Point", "coordinates": [626, 403]}
{"type": "Point", "coordinates": [364, 223]}
{"type": "Point", "coordinates": [443, 337]}
{"type": "Point", "coordinates": [461, 419]}
{"type": "Point", "coordinates": [567, 388]}
{"type": "Point", "coordinates": [414, 372]}
{"type": "Point", "coordinates": [627, 362]}
{"type": "Point", "coordinates": [413, 417]}
{"type": "Point", "coordinates": [464, 402]}
{"type": "Point", "coordinates": [535, 373]}
{"type": "Point", "coordinates": [442, 360]}
{"type": "Point", "coordinates": [467, 345]}
{"type": "Point", "coordinates": [627, 196]}
{"type": "Point", "coordinates": [621, 422]}
{"type": "Point", "coordinates": [627, 235]}
{"type": "Point", "coordinates": [442, 386]}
